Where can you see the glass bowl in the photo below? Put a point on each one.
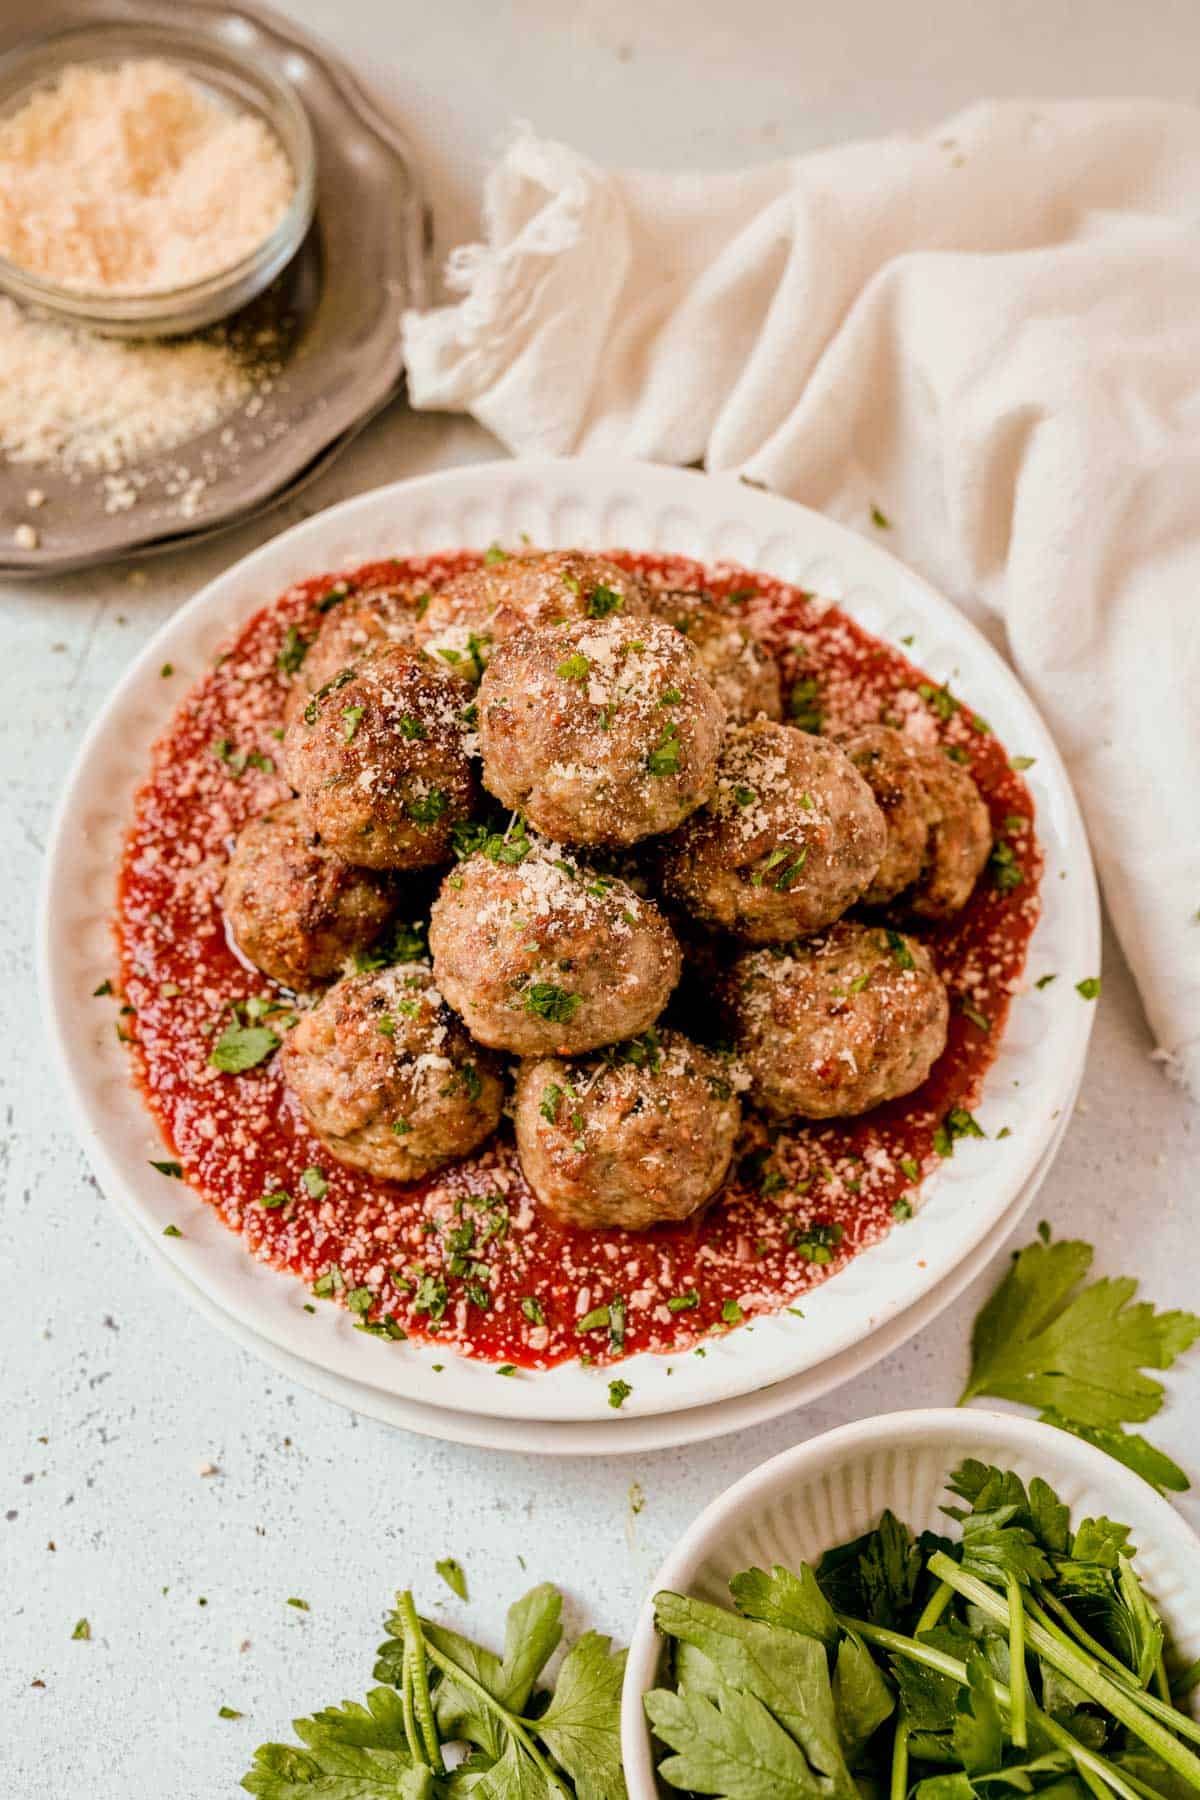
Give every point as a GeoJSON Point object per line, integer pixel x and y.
{"type": "Point", "coordinates": [230, 78]}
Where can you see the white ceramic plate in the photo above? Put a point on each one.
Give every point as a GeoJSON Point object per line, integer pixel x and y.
{"type": "Point", "coordinates": [597, 503]}
{"type": "Point", "coordinates": [619, 1434]}
{"type": "Point", "coordinates": [822, 1493]}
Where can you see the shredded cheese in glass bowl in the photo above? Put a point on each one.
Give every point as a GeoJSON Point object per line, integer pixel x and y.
{"type": "Point", "coordinates": [151, 182]}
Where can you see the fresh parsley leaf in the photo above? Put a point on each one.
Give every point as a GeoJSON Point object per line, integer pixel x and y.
{"type": "Point", "coordinates": [738, 1749]}
{"type": "Point", "coordinates": [873, 1576]}
{"type": "Point", "coordinates": [581, 1726]}
{"type": "Point", "coordinates": [1047, 1341]}
{"type": "Point", "coordinates": [783, 1598]}
{"type": "Point", "coordinates": [174, 1169]}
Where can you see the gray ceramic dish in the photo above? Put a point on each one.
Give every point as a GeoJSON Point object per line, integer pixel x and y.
{"type": "Point", "coordinates": [335, 310]}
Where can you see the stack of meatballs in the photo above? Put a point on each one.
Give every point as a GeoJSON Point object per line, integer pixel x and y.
{"type": "Point", "coordinates": [661, 814]}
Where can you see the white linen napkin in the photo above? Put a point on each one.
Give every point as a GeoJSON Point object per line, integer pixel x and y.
{"type": "Point", "coordinates": [990, 333]}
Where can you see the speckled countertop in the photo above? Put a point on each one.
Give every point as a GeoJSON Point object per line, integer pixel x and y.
{"type": "Point", "coordinates": [115, 1401]}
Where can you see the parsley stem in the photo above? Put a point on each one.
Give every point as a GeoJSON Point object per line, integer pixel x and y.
{"type": "Point", "coordinates": [1125, 1787]}
{"type": "Point", "coordinates": [1016, 1660]}
{"type": "Point", "coordinates": [1085, 1638]}
{"type": "Point", "coordinates": [415, 1652]}
{"type": "Point", "coordinates": [932, 1611]}
{"type": "Point", "coordinates": [1084, 1671]}
{"type": "Point", "coordinates": [1183, 1683]}
{"type": "Point", "coordinates": [509, 1720]}
{"type": "Point", "coordinates": [1171, 1715]}
{"type": "Point", "coordinates": [415, 1747]}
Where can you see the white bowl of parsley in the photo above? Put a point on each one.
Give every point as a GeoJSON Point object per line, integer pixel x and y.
{"type": "Point", "coordinates": [829, 1630]}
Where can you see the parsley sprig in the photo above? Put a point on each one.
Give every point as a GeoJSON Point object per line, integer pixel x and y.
{"type": "Point", "coordinates": [1025, 1658]}
{"type": "Point", "coordinates": [1079, 1352]}
{"type": "Point", "coordinates": [523, 1742]}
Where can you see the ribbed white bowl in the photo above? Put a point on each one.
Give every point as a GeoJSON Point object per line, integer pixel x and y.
{"type": "Point", "coordinates": [821, 1493]}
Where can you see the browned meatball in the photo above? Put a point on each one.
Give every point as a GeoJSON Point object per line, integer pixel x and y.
{"type": "Point", "coordinates": [294, 910]}
{"type": "Point", "coordinates": [387, 1077]}
{"type": "Point", "coordinates": [744, 676]}
{"type": "Point", "coordinates": [601, 732]}
{"type": "Point", "coordinates": [349, 631]}
{"type": "Point", "coordinates": [838, 1024]}
{"type": "Point", "coordinates": [641, 1134]}
{"type": "Point", "coordinates": [939, 832]}
{"type": "Point", "coordinates": [545, 956]}
{"type": "Point", "coordinates": [789, 840]}
{"type": "Point", "coordinates": [475, 612]}
{"type": "Point", "coordinates": [379, 760]}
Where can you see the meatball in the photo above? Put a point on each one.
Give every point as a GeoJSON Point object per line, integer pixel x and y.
{"type": "Point", "coordinates": [387, 1077]}
{"type": "Point", "coordinates": [789, 840]}
{"type": "Point", "coordinates": [600, 732]}
{"type": "Point", "coordinates": [546, 957]}
{"type": "Point", "coordinates": [640, 1134]}
{"type": "Point", "coordinates": [939, 835]}
{"type": "Point", "coordinates": [293, 909]}
{"type": "Point", "coordinates": [477, 611]}
{"type": "Point", "coordinates": [379, 760]}
{"type": "Point", "coordinates": [744, 676]}
{"type": "Point", "coordinates": [838, 1024]}
{"type": "Point", "coordinates": [349, 631]}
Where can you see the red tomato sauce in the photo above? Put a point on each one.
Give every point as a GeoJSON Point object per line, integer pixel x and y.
{"type": "Point", "coordinates": [799, 1203]}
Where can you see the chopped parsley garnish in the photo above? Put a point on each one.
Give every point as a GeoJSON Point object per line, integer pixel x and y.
{"type": "Point", "coordinates": [910, 1167]}
{"type": "Point", "coordinates": [958, 1123]}
{"type": "Point", "coordinates": [83, 1630]}
{"type": "Point", "coordinates": [732, 1313]}
{"type": "Point", "coordinates": [428, 808]}
{"type": "Point", "coordinates": [551, 1095]}
{"type": "Point", "coordinates": [454, 1576]}
{"type": "Point", "coordinates": [411, 728]}
{"type": "Point", "coordinates": [603, 601]}
{"type": "Point", "coordinates": [1005, 869]}
{"type": "Point", "coordinates": [745, 796]}
{"type": "Point", "coordinates": [167, 670]}
{"type": "Point", "coordinates": [978, 1019]}
{"type": "Point", "coordinates": [1089, 987]}
{"type": "Point", "coordinates": [172, 1231]}
{"type": "Point", "coordinates": [472, 838]}
{"type": "Point", "coordinates": [902, 956]}
{"type": "Point", "coordinates": [292, 651]}
{"type": "Point", "coordinates": [902, 1209]}
{"type": "Point", "coordinates": [670, 697]}
{"type": "Point", "coordinates": [816, 1243]}
{"type": "Point", "coordinates": [683, 1302]}
{"type": "Point", "coordinates": [276, 1201]}
{"type": "Point", "coordinates": [786, 876]}
{"type": "Point", "coordinates": [880, 520]}
{"type": "Point", "coordinates": [940, 698]}
{"type": "Point", "coordinates": [663, 759]}
{"type": "Point", "coordinates": [642, 1052]}
{"type": "Point", "coordinates": [242, 1047]}
{"type": "Point", "coordinates": [574, 668]}
{"type": "Point", "coordinates": [229, 1712]}
{"type": "Point", "coordinates": [1043, 981]}
{"type": "Point", "coordinates": [351, 718]}
{"type": "Point", "coordinates": [545, 1000]}
{"type": "Point", "coordinates": [386, 1026]}
{"type": "Point", "coordinates": [432, 1296]}
{"type": "Point", "coordinates": [618, 1393]}
{"type": "Point", "coordinates": [494, 554]}
{"type": "Point", "coordinates": [359, 1299]}
{"type": "Point", "coordinates": [804, 707]}
{"type": "Point", "coordinates": [597, 1320]}
{"type": "Point", "coordinates": [1020, 763]}
{"type": "Point", "coordinates": [106, 987]}
{"type": "Point", "coordinates": [300, 1605]}
{"type": "Point", "coordinates": [169, 1168]}
{"type": "Point", "coordinates": [531, 1308]}
{"type": "Point", "coordinates": [334, 597]}
{"type": "Point", "coordinates": [314, 1183]}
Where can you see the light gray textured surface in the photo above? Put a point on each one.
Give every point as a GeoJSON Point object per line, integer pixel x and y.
{"type": "Point", "coordinates": [113, 1397]}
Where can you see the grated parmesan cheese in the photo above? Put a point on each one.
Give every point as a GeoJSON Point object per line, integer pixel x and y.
{"type": "Point", "coordinates": [133, 179]}
{"type": "Point", "coordinates": [75, 401]}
